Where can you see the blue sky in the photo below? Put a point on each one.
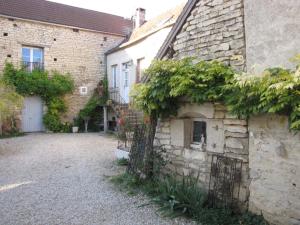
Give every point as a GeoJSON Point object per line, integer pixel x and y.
{"type": "Point", "coordinates": [125, 8]}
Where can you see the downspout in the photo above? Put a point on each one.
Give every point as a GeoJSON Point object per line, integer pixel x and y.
{"type": "Point", "coordinates": [105, 117]}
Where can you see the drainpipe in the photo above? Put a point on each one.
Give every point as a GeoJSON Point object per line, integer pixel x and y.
{"type": "Point", "coordinates": [105, 119]}
{"type": "Point", "coordinates": [105, 126]}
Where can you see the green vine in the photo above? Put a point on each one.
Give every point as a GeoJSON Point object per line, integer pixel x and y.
{"type": "Point", "coordinates": [50, 88]}
{"type": "Point", "coordinates": [93, 110]}
{"type": "Point", "coordinates": [276, 90]}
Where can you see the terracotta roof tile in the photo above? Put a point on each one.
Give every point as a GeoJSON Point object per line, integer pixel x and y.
{"type": "Point", "coordinates": [56, 13]}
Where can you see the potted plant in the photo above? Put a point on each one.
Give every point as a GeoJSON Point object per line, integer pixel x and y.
{"type": "Point", "coordinates": [75, 126]}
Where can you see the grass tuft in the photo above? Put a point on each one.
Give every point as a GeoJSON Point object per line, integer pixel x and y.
{"type": "Point", "coordinates": [122, 162]}
{"type": "Point", "coordinates": [184, 198]}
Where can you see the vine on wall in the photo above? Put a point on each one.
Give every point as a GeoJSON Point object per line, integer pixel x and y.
{"type": "Point", "coordinates": [50, 88]}
{"type": "Point", "coordinates": [276, 90]}
{"type": "Point", "coordinates": [93, 110]}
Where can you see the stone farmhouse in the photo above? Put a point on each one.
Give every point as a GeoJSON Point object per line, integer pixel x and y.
{"type": "Point", "coordinates": [52, 36]}
{"type": "Point", "coordinates": [249, 35]}
{"type": "Point", "coordinates": [240, 33]}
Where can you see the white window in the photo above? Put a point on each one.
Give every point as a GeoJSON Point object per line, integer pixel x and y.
{"type": "Point", "coordinates": [33, 58]}
{"type": "Point", "coordinates": [126, 74]}
{"type": "Point", "coordinates": [126, 79]}
{"type": "Point", "coordinates": [83, 90]}
{"type": "Point", "coordinates": [114, 70]}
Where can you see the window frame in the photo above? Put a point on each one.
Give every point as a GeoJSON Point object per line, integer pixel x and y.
{"type": "Point", "coordinates": [193, 130]}
{"type": "Point", "coordinates": [114, 71]}
{"type": "Point", "coordinates": [31, 56]}
{"type": "Point", "coordinates": [125, 69]}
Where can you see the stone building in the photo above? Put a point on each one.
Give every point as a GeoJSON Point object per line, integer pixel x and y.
{"type": "Point", "coordinates": [249, 35]}
{"type": "Point", "coordinates": [52, 36]}
{"type": "Point", "coordinates": [139, 50]}
{"type": "Point", "coordinates": [126, 63]}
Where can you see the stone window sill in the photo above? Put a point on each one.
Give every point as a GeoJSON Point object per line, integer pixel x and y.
{"type": "Point", "coordinates": [198, 146]}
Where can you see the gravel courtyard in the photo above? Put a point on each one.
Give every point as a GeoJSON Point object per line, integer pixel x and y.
{"type": "Point", "coordinates": [55, 179]}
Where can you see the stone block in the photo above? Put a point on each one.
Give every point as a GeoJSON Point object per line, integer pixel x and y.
{"type": "Point", "coordinates": [235, 135]}
{"type": "Point", "coordinates": [236, 143]}
{"type": "Point", "coordinates": [236, 129]}
{"type": "Point", "coordinates": [205, 110]}
{"type": "Point", "coordinates": [235, 122]}
{"type": "Point", "coordinates": [219, 115]}
{"type": "Point", "coordinates": [194, 155]}
{"type": "Point", "coordinates": [177, 132]}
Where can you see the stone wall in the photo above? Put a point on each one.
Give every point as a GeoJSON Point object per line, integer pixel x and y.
{"type": "Point", "coordinates": [214, 30]}
{"type": "Point", "coordinates": [274, 170]}
{"type": "Point", "coordinates": [270, 154]}
{"type": "Point", "coordinates": [79, 53]}
{"type": "Point", "coordinates": [226, 136]}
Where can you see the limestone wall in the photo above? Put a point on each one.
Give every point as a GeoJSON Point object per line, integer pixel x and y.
{"type": "Point", "coordinates": [214, 30]}
{"type": "Point", "coordinates": [270, 154]}
{"type": "Point", "coordinates": [226, 136]}
{"type": "Point", "coordinates": [274, 162]}
{"type": "Point", "coordinates": [272, 33]}
{"type": "Point", "coordinates": [79, 53]}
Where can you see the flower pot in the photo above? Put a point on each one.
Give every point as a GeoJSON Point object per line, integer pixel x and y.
{"type": "Point", "coordinates": [75, 129]}
{"type": "Point", "coordinates": [121, 154]}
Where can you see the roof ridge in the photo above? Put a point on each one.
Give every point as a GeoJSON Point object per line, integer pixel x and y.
{"type": "Point", "coordinates": [66, 15]}
{"type": "Point", "coordinates": [76, 7]}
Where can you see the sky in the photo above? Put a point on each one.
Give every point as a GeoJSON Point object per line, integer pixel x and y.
{"type": "Point", "coordinates": [125, 8]}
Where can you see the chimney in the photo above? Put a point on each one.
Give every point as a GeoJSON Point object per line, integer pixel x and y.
{"type": "Point", "coordinates": [140, 18]}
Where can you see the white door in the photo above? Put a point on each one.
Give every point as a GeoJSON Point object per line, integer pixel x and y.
{"type": "Point", "coordinates": [126, 85]}
{"type": "Point", "coordinates": [32, 114]}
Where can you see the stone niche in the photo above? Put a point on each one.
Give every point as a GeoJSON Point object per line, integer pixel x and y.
{"type": "Point", "coordinates": [225, 135]}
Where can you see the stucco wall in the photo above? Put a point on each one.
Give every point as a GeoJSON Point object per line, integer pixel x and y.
{"type": "Point", "coordinates": [272, 33]}
{"type": "Point", "coordinates": [274, 156]}
{"type": "Point", "coordinates": [80, 54]}
{"type": "Point", "coordinates": [146, 48]}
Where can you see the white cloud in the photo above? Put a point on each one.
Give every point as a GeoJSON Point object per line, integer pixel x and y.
{"type": "Point", "coordinates": [124, 8]}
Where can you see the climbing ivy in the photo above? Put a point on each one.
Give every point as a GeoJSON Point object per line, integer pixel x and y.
{"type": "Point", "coordinates": [276, 90]}
{"type": "Point", "coordinates": [51, 88]}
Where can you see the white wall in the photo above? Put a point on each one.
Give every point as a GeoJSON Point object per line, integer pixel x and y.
{"type": "Point", "coordinates": [146, 48]}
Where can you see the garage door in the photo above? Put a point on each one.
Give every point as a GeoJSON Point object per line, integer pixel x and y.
{"type": "Point", "coordinates": [32, 114]}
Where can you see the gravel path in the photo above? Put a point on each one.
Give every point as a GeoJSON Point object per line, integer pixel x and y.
{"type": "Point", "coordinates": [56, 179]}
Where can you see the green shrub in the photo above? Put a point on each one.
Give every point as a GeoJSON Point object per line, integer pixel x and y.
{"type": "Point", "coordinates": [93, 110]}
{"type": "Point", "coordinates": [52, 122]}
{"type": "Point", "coordinates": [10, 102]}
{"type": "Point", "coordinates": [50, 88]}
{"type": "Point", "coordinates": [122, 162]}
